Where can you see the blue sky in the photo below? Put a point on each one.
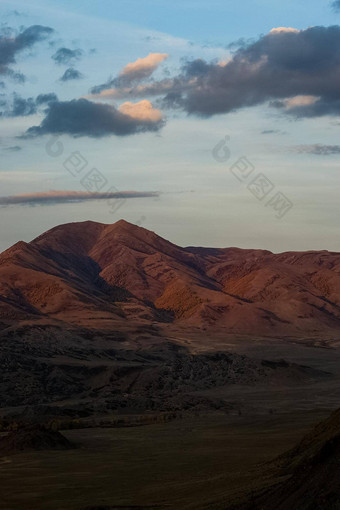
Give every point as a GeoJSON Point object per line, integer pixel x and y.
{"type": "Point", "coordinates": [200, 202]}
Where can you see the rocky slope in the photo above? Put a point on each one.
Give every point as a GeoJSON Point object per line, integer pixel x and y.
{"type": "Point", "coordinates": [311, 471]}
{"type": "Point", "coordinates": [55, 372]}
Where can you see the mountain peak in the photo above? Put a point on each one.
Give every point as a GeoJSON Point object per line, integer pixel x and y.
{"type": "Point", "coordinates": [125, 226]}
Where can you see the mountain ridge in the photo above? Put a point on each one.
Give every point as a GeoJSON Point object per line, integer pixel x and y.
{"type": "Point", "coordinates": [83, 269]}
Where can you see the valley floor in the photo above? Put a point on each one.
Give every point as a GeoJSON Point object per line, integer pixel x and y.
{"type": "Point", "coordinates": [208, 458]}
{"type": "Point", "coordinates": [199, 462]}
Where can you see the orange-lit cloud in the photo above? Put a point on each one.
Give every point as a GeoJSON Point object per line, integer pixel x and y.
{"type": "Point", "coordinates": [143, 110]}
{"type": "Point", "coordinates": [142, 67]}
{"type": "Point", "coordinates": [277, 30]}
{"type": "Point", "coordinates": [294, 102]}
{"type": "Point", "coordinates": [147, 89]}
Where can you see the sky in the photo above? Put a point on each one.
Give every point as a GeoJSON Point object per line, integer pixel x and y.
{"type": "Point", "coordinates": [211, 123]}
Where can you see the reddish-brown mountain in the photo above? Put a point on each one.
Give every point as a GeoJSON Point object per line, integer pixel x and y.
{"type": "Point", "coordinates": [83, 272]}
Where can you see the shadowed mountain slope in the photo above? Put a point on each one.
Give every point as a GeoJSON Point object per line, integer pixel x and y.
{"type": "Point", "coordinates": [313, 467]}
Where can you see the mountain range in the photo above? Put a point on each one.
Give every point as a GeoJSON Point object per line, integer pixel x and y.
{"type": "Point", "coordinates": [96, 275]}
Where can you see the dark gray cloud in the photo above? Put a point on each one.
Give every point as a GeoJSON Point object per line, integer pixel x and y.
{"type": "Point", "coordinates": [62, 197]}
{"type": "Point", "coordinates": [71, 74]}
{"type": "Point", "coordinates": [66, 55]}
{"type": "Point", "coordinates": [11, 45]}
{"type": "Point", "coordinates": [81, 117]}
{"type": "Point", "coordinates": [22, 107]}
{"type": "Point", "coordinates": [277, 68]}
{"type": "Point", "coordinates": [317, 149]}
{"type": "Point", "coordinates": [3, 102]}
{"type": "Point", "coordinates": [17, 106]}
{"type": "Point", "coordinates": [46, 98]}
{"type": "Point", "coordinates": [336, 5]}
{"type": "Point", "coordinates": [279, 65]}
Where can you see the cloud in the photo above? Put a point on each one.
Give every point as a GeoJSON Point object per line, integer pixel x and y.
{"type": "Point", "coordinates": [317, 108]}
{"type": "Point", "coordinates": [81, 117]}
{"type": "Point", "coordinates": [14, 148]}
{"type": "Point", "coordinates": [317, 149]}
{"type": "Point", "coordinates": [143, 111]}
{"type": "Point", "coordinates": [46, 98]}
{"type": "Point", "coordinates": [71, 74]}
{"type": "Point", "coordinates": [14, 13]}
{"type": "Point", "coordinates": [62, 197]}
{"type": "Point", "coordinates": [66, 55]}
{"type": "Point", "coordinates": [278, 30]}
{"type": "Point", "coordinates": [11, 45]}
{"type": "Point", "coordinates": [271, 132]}
{"type": "Point", "coordinates": [241, 42]}
{"type": "Point", "coordinates": [19, 107]}
{"type": "Point", "coordinates": [22, 107]}
{"type": "Point", "coordinates": [336, 5]}
{"type": "Point", "coordinates": [292, 103]}
{"type": "Point", "coordinates": [280, 65]}
{"type": "Point", "coordinates": [297, 71]}
{"type": "Point", "coordinates": [142, 68]}
{"type": "Point", "coordinates": [134, 72]}
{"type": "Point", "coordinates": [158, 88]}
{"type": "Point", "coordinates": [308, 106]}
{"type": "Point", "coordinates": [174, 87]}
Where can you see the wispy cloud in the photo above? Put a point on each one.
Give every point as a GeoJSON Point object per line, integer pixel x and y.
{"type": "Point", "coordinates": [317, 149]}
{"type": "Point", "coordinates": [66, 56]}
{"type": "Point", "coordinates": [134, 72]}
{"type": "Point", "coordinates": [336, 5]}
{"type": "Point", "coordinates": [11, 45]}
{"type": "Point", "coordinates": [17, 106]}
{"type": "Point", "coordinates": [272, 132]}
{"type": "Point", "coordinates": [71, 74]}
{"type": "Point", "coordinates": [13, 148]}
{"type": "Point", "coordinates": [62, 197]}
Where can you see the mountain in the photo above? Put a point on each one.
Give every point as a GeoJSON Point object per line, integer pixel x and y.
{"type": "Point", "coordinates": [95, 275]}
{"type": "Point", "coordinates": [312, 473]}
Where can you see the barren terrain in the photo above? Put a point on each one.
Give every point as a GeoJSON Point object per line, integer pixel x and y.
{"type": "Point", "coordinates": [178, 374]}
